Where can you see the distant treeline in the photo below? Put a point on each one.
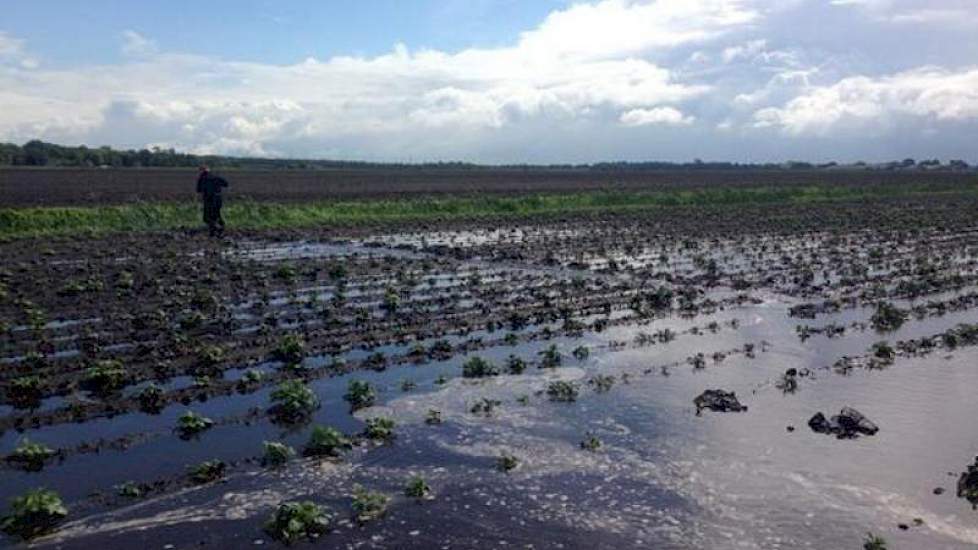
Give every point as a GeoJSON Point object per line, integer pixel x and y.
{"type": "Point", "coordinates": [39, 153]}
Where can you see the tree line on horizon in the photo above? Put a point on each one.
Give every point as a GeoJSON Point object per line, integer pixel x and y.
{"type": "Point", "coordinates": [39, 154]}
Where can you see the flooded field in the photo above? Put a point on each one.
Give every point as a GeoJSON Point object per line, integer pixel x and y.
{"type": "Point", "coordinates": [542, 384]}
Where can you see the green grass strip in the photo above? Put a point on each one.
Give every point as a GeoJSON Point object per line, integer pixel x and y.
{"type": "Point", "coordinates": [47, 221]}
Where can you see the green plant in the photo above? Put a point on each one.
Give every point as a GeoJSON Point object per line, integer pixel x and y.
{"type": "Point", "coordinates": [581, 353]}
{"type": "Point", "coordinates": [35, 360]}
{"type": "Point", "coordinates": [36, 318]}
{"type": "Point", "coordinates": [562, 391]}
{"type": "Point", "coordinates": [76, 287]}
{"type": "Point", "coordinates": [440, 349]}
{"type": "Point", "coordinates": [368, 505]}
{"type": "Point", "coordinates": [326, 441]}
{"type": "Point", "coordinates": [360, 394]}
{"type": "Point", "coordinates": [285, 272]}
{"type": "Point", "coordinates": [376, 361]}
{"type": "Point", "coordinates": [291, 349]}
{"type": "Point", "coordinates": [251, 377]}
{"type": "Point", "coordinates": [276, 453]}
{"type": "Point", "coordinates": [417, 488]}
{"type": "Point", "coordinates": [507, 462]}
{"type": "Point", "coordinates": [485, 406]}
{"type": "Point", "coordinates": [30, 456]}
{"type": "Point", "coordinates": [515, 365]}
{"type": "Point", "coordinates": [25, 390]}
{"type": "Point", "coordinates": [151, 399]}
{"type": "Point", "coordinates": [337, 271]}
{"type": "Point", "coordinates": [125, 280]}
{"type": "Point", "coordinates": [602, 382]}
{"type": "Point", "coordinates": [208, 471]}
{"type": "Point", "coordinates": [478, 367]}
{"type": "Point", "coordinates": [204, 299]}
{"type": "Point", "coordinates": [433, 417]}
{"type": "Point", "coordinates": [34, 513]}
{"type": "Point", "coordinates": [888, 317]}
{"type": "Point", "coordinates": [293, 401]}
{"type": "Point", "coordinates": [210, 355]}
{"type": "Point", "coordinates": [192, 320]}
{"type": "Point", "coordinates": [190, 424]}
{"type": "Point", "coordinates": [295, 520]}
{"type": "Point", "coordinates": [106, 376]}
{"type": "Point", "coordinates": [417, 351]}
{"type": "Point", "coordinates": [884, 351]}
{"type": "Point", "coordinates": [130, 489]}
{"type": "Point", "coordinates": [591, 443]}
{"type": "Point", "coordinates": [550, 357]}
{"type": "Point", "coordinates": [874, 542]}
{"type": "Point", "coordinates": [391, 301]}
{"type": "Point", "coordinates": [140, 217]}
{"type": "Point", "coordinates": [379, 428]}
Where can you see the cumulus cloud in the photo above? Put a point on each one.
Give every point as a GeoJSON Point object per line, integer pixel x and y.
{"type": "Point", "coordinates": [135, 44]}
{"type": "Point", "coordinates": [919, 12]}
{"type": "Point", "coordinates": [926, 93]}
{"type": "Point", "coordinates": [588, 60]}
{"type": "Point", "coordinates": [747, 50]}
{"type": "Point", "coordinates": [668, 116]}
{"type": "Point", "coordinates": [12, 51]}
{"type": "Point", "coordinates": [623, 27]}
{"type": "Point", "coordinates": [607, 71]}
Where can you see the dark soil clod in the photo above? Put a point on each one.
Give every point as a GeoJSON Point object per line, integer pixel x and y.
{"type": "Point", "coordinates": [718, 401]}
{"type": "Point", "coordinates": [848, 424]}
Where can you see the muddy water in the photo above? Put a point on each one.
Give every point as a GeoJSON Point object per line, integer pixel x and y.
{"type": "Point", "coordinates": [663, 477]}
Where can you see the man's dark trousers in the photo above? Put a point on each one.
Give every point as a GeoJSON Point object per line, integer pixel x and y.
{"type": "Point", "coordinates": [212, 213]}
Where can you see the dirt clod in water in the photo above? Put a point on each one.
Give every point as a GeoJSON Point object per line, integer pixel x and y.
{"type": "Point", "coordinates": [848, 424]}
{"type": "Point", "coordinates": [719, 401]}
{"type": "Point", "coordinates": [968, 484]}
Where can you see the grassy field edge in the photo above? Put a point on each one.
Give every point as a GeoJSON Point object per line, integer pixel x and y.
{"type": "Point", "coordinates": [16, 223]}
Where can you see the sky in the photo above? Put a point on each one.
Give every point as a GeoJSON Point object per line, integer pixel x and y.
{"type": "Point", "coordinates": [498, 81]}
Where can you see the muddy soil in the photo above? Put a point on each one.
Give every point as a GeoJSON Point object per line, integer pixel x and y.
{"type": "Point", "coordinates": [595, 335]}
{"type": "Point", "coordinates": [93, 186]}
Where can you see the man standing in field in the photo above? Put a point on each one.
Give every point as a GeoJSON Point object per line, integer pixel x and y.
{"type": "Point", "coordinates": [209, 187]}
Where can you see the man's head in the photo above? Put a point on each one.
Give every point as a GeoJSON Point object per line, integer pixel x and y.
{"type": "Point", "coordinates": [203, 169]}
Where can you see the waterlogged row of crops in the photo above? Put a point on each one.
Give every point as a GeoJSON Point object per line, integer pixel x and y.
{"type": "Point", "coordinates": [139, 345]}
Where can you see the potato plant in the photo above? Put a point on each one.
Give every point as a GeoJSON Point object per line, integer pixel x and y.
{"type": "Point", "coordinates": [326, 441]}
{"type": "Point", "coordinates": [293, 521]}
{"type": "Point", "coordinates": [33, 514]}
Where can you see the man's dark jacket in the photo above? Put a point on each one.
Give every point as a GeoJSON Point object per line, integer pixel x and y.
{"type": "Point", "coordinates": [210, 185]}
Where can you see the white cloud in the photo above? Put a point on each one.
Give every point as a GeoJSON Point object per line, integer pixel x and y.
{"type": "Point", "coordinates": [585, 61]}
{"type": "Point", "coordinates": [567, 90]}
{"type": "Point", "coordinates": [936, 16]}
{"type": "Point", "coordinates": [668, 116]}
{"type": "Point", "coordinates": [748, 50]}
{"type": "Point", "coordinates": [872, 4]}
{"type": "Point", "coordinates": [12, 51]}
{"type": "Point", "coordinates": [917, 12]}
{"type": "Point", "coordinates": [10, 46]}
{"type": "Point", "coordinates": [926, 93]}
{"type": "Point", "coordinates": [625, 27]}
{"type": "Point", "coordinates": [137, 45]}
